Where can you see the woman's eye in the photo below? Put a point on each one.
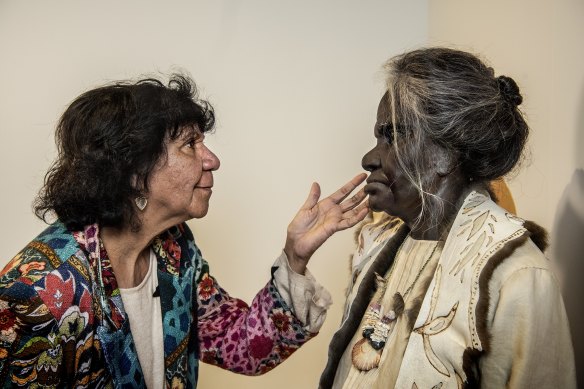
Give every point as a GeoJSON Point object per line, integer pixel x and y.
{"type": "Point", "coordinates": [193, 142]}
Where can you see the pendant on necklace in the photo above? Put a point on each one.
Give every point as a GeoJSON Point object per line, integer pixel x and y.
{"type": "Point", "coordinates": [366, 353]}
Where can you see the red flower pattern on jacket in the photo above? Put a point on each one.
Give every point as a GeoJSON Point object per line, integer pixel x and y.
{"type": "Point", "coordinates": [260, 346]}
{"type": "Point", "coordinates": [7, 319]}
{"type": "Point", "coordinates": [59, 294]}
{"type": "Point", "coordinates": [282, 319]}
{"type": "Point", "coordinates": [207, 287]}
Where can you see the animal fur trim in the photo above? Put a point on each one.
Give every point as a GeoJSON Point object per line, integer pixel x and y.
{"type": "Point", "coordinates": [539, 236]}
{"type": "Point", "coordinates": [343, 336]}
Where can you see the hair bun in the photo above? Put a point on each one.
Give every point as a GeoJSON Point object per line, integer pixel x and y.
{"type": "Point", "coordinates": [509, 90]}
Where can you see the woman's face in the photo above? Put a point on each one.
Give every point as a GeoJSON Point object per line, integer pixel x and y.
{"type": "Point", "coordinates": [388, 186]}
{"type": "Point", "coordinates": [180, 185]}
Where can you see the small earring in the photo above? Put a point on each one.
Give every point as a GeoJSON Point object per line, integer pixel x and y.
{"type": "Point", "coordinates": [141, 202]}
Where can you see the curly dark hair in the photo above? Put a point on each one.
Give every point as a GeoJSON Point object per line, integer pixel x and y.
{"type": "Point", "coordinates": [109, 140]}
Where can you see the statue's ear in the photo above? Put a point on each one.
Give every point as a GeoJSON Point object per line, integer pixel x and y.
{"type": "Point", "coordinates": [445, 161]}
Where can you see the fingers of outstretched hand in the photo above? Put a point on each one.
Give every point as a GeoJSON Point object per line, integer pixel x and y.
{"type": "Point", "coordinates": [353, 216]}
{"type": "Point", "coordinates": [353, 201]}
{"type": "Point", "coordinates": [346, 189]}
{"type": "Point", "coordinates": [313, 196]}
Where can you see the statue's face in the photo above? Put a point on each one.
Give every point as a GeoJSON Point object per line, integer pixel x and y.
{"type": "Point", "coordinates": [389, 186]}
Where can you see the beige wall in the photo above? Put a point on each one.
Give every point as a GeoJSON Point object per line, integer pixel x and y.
{"type": "Point", "coordinates": [295, 85]}
{"type": "Point", "coordinates": [539, 44]}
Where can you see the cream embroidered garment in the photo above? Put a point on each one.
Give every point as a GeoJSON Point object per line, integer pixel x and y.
{"type": "Point", "coordinates": [408, 270]}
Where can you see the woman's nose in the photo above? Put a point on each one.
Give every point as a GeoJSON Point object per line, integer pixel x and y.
{"type": "Point", "coordinates": [210, 160]}
{"type": "Point", "coordinates": [370, 160]}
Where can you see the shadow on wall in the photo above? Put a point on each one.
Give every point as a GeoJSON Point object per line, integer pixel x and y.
{"type": "Point", "coordinates": [568, 236]}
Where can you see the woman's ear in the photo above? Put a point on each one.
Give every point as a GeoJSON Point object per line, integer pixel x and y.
{"type": "Point", "coordinates": [136, 183]}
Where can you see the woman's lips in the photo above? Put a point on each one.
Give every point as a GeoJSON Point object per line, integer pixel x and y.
{"type": "Point", "coordinates": [205, 188]}
{"type": "Point", "coordinates": [205, 184]}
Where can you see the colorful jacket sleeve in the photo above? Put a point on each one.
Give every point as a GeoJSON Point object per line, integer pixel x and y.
{"type": "Point", "coordinates": [245, 339]}
{"type": "Point", "coordinates": [45, 336]}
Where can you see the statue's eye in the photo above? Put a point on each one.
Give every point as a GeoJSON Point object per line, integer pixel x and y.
{"type": "Point", "coordinates": [386, 130]}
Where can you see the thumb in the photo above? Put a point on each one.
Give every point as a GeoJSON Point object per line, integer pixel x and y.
{"type": "Point", "coordinates": [313, 196]}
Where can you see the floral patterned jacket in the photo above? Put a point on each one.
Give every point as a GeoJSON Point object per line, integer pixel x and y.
{"type": "Point", "coordinates": [63, 324]}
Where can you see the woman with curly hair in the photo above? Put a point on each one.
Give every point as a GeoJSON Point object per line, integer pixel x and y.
{"type": "Point", "coordinates": [115, 292]}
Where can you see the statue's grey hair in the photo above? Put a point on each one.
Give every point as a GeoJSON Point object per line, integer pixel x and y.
{"type": "Point", "coordinates": [454, 99]}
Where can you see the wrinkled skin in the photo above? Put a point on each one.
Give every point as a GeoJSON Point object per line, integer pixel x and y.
{"type": "Point", "coordinates": [390, 189]}
{"type": "Point", "coordinates": [181, 185]}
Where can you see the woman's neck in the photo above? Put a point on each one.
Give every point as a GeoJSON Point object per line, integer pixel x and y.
{"type": "Point", "coordinates": [129, 254]}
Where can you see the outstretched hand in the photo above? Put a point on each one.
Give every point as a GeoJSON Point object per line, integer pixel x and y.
{"type": "Point", "coordinates": [317, 221]}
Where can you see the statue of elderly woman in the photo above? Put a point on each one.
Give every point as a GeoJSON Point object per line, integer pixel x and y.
{"type": "Point", "coordinates": [451, 290]}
